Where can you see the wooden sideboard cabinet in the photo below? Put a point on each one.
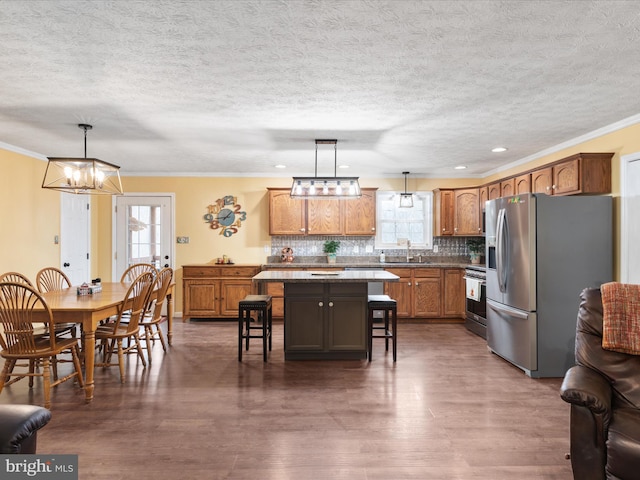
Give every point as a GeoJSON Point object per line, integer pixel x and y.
{"type": "Point", "coordinates": [213, 291]}
{"type": "Point", "coordinates": [289, 216]}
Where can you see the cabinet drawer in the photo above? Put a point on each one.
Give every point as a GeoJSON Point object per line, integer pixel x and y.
{"type": "Point", "coordinates": [427, 272]}
{"type": "Point", "coordinates": [239, 271]}
{"type": "Point", "coordinates": [401, 272]}
{"type": "Point", "coordinates": [200, 271]}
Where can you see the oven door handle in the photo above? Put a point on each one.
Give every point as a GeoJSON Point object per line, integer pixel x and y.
{"type": "Point", "coordinates": [482, 282]}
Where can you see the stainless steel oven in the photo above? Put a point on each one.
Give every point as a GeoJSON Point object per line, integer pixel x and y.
{"type": "Point", "coordinates": [476, 300]}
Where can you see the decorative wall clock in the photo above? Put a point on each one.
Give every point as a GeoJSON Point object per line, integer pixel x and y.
{"type": "Point", "coordinates": [225, 214]}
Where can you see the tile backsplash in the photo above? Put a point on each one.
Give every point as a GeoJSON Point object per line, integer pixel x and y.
{"type": "Point", "coordinates": [357, 246]}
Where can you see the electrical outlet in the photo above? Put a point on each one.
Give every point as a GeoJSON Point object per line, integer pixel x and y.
{"type": "Point", "coordinates": [435, 249]}
{"type": "Point", "coordinates": [368, 249]}
{"type": "Point", "coordinates": [356, 249]}
{"type": "Point", "coordinates": [182, 239]}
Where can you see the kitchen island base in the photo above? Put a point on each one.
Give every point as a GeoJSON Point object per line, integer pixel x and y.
{"type": "Point", "coordinates": [325, 321]}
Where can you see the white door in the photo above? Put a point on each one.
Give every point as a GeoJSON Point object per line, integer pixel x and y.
{"type": "Point", "coordinates": [143, 229]}
{"type": "Point", "coordinates": [630, 228]}
{"type": "Point", "coordinates": [75, 224]}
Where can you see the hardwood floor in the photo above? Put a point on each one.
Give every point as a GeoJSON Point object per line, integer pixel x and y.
{"type": "Point", "coordinates": [448, 409]}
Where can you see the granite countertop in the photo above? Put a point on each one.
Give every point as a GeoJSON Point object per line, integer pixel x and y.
{"type": "Point", "coordinates": [357, 276]}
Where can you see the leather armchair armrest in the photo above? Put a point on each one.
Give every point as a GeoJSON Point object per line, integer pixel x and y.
{"type": "Point", "coordinates": [587, 388]}
{"type": "Point", "coordinates": [19, 425]}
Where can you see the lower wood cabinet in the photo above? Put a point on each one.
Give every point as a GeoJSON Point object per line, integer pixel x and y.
{"type": "Point", "coordinates": [428, 292]}
{"type": "Point", "coordinates": [213, 291]}
{"type": "Point", "coordinates": [325, 320]}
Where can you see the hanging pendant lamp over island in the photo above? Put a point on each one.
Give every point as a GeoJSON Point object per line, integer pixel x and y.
{"type": "Point", "coordinates": [88, 176]}
{"type": "Point", "coordinates": [326, 187]}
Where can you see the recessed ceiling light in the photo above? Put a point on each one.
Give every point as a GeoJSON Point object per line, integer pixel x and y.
{"type": "Point", "coordinates": [343, 166]}
{"type": "Point", "coordinates": [280, 166]}
{"type": "Point", "coordinates": [460, 167]}
{"type": "Point", "coordinates": [499, 149]}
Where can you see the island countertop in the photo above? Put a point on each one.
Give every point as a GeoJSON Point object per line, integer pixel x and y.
{"type": "Point", "coordinates": [320, 276]}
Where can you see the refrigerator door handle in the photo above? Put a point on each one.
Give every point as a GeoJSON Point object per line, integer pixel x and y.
{"type": "Point", "coordinates": [501, 250]}
{"type": "Point", "coordinates": [513, 312]}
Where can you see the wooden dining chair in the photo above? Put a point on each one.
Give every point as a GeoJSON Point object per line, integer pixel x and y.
{"type": "Point", "coordinates": [50, 279]}
{"type": "Point", "coordinates": [15, 277]}
{"type": "Point", "coordinates": [19, 304]}
{"type": "Point", "coordinates": [137, 269]}
{"type": "Point", "coordinates": [150, 321]}
{"type": "Point", "coordinates": [112, 333]}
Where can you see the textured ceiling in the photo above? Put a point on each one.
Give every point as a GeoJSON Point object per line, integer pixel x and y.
{"type": "Point", "coordinates": [236, 87]}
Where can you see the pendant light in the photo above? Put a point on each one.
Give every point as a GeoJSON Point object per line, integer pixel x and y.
{"type": "Point", "coordinates": [87, 176]}
{"type": "Point", "coordinates": [406, 199]}
{"type": "Point", "coordinates": [326, 187]}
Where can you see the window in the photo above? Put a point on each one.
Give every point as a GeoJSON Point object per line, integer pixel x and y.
{"type": "Point", "coordinates": [393, 224]}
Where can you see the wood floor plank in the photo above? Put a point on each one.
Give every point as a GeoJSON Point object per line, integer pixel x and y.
{"type": "Point", "coordinates": [448, 409]}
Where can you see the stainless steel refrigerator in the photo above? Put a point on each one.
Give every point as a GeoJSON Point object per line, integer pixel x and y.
{"type": "Point", "coordinates": [541, 252]}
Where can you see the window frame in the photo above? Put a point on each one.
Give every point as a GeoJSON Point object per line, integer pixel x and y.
{"type": "Point", "coordinates": [382, 199]}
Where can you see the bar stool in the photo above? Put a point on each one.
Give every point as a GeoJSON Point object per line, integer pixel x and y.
{"type": "Point", "coordinates": [389, 306]}
{"type": "Point", "coordinates": [262, 305]}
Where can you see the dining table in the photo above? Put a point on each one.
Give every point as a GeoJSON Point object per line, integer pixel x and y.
{"type": "Point", "coordinates": [89, 310]}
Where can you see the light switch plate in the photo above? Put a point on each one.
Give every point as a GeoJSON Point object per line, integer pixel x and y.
{"type": "Point", "coordinates": [182, 239]}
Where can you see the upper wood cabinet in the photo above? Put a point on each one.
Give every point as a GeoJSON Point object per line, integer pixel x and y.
{"type": "Point", "coordinates": [324, 217]}
{"type": "Point", "coordinates": [360, 214]}
{"type": "Point", "coordinates": [583, 173]}
{"type": "Point", "coordinates": [484, 196]}
{"type": "Point", "coordinates": [508, 187]}
{"type": "Point", "coordinates": [467, 212]}
{"type": "Point", "coordinates": [288, 216]}
{"type": "Point", "coordinates": [523, 184]}
{"type": "Point", "coordinates": [494, 190]}
{"type": "Point", "coordinates": [457, 212]}
{"type": "Point", "coordinates": [542, 180]}
{"type": "Point", "coordinates": [443, 208]}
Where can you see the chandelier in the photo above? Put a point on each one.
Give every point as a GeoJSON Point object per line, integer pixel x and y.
{"type": "Point", "coordinates": [82, 175]}
{"type": "Point", "coordinates": [326, 187]}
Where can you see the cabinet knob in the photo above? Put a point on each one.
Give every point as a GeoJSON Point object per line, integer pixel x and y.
{"type": "Point", "coordinates": [320, 304]}
{"type": "Point", "coordinates": [409, 284]}
{"type": "Point", "coordinates": [443, 229]}
{"type": "Point", "coordinates": [553, 187]}
{"type": "Point", "coordinates": [331, 304]}
{"type": "Point", "coordinates": [302, 229]}
{"type": "Point", "coordinates": [417, 284]}
{"type": "Point", "coordinates": [373, 229]}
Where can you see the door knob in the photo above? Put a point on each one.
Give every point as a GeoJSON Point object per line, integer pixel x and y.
{"type": "Point", "coordinates": [66, 264]}
{"type": "Point", "coordinates": [166, 265]}
{"type": "Point", "coordinates": [166, 257]}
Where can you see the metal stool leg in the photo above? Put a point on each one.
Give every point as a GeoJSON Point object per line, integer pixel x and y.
{"type": "Point", "coordinates": [240, 332]}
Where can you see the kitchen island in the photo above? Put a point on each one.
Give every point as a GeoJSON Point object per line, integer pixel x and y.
{"type": "Point", "coordinates": [325, 312]}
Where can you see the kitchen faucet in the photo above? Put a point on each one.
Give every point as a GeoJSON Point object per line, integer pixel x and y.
{"type": "Point", "coordinates": [408, 247]}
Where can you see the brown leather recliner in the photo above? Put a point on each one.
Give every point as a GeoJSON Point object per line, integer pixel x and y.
{"type": "Point", "coordinates": [19, 425]}
{"type": "Point", "coordinates": [603, 389]}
